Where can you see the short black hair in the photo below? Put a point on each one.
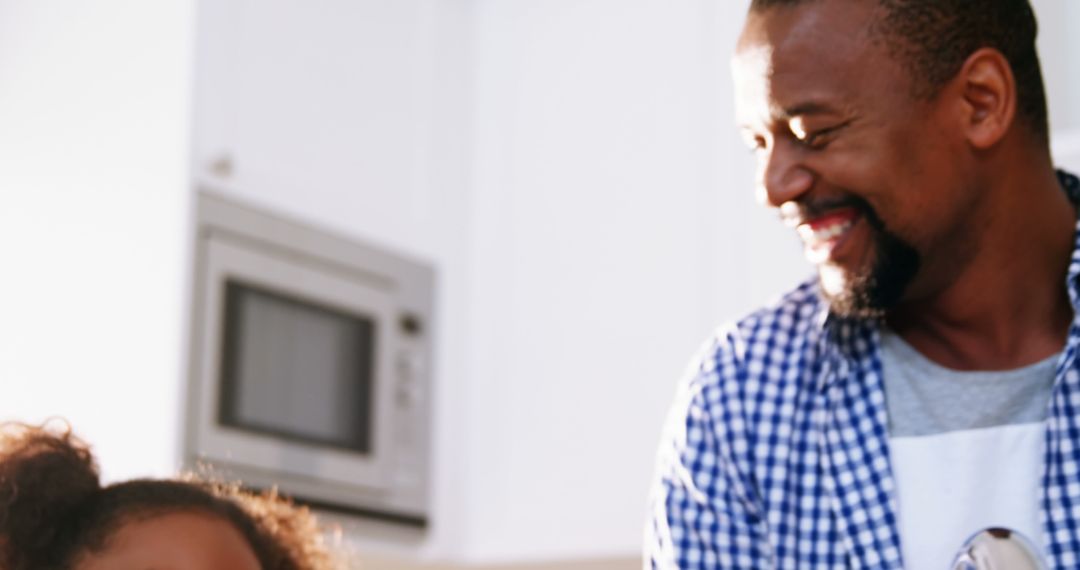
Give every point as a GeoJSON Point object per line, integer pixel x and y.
{"type": "Point", "coordinates": [933, 38]}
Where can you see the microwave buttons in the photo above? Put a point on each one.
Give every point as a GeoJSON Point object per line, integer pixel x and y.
{"type": "Point", "coordinates": [407, 391]}
{"type": "Point", "coordinates": [405, 396]}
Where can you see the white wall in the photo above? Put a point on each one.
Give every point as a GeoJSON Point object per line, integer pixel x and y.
{"type": "Point", "coordinates": [1072, 68]}
{"type": "Point", "coordinates": [1066, 150]}
{"type": "Point", "coordinates": [588, 164]}
{"type": "Point", "coordinates": [1059, 52]}
{"type": "Point", "coordinates": [605, 161]}
{"type": "Point", "coordinates": [94, 107]}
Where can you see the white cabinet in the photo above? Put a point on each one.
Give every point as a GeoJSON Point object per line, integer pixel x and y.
{"type": "Point", "coordinates": [324, 109]}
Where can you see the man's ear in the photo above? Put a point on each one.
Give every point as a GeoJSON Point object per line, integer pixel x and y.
{"type": "Point", "coordinates": [988, 89]}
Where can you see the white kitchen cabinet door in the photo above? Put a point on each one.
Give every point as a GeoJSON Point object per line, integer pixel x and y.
{"type": "Point", "coordinates": [322, 109]}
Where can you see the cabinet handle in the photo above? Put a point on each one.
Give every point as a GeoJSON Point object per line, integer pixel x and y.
{"type": "Point", "coordinates": [222, 166]}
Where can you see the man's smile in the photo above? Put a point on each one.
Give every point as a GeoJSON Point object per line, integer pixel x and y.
{"type": "Point", "coordinates": [824, 235]}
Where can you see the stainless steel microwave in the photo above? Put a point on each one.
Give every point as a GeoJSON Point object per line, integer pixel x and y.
{"type": "Point", "coordinates": [310, 363]}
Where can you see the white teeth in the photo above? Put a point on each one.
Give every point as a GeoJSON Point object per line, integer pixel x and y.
{"type": "Point", "coordinates": [826, 233]}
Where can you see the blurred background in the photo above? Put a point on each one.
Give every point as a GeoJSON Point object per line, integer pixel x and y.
{"type": "Point", "coordinates": [568, 168]}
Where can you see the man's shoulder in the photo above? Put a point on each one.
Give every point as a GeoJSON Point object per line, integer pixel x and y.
{"type": "Point", "coordinates": [777, 342]}
{"type": "Point", "coordinates": [797, 313]}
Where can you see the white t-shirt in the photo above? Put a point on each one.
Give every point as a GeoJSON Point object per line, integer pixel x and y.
{"type": "Point", "coordinates": [966, 450]}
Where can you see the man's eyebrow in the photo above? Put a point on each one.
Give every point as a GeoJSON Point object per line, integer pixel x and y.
{"type": "Point", "coordinates": [807, 108]}
{"type": "Point", "coordinates": [798, 110]}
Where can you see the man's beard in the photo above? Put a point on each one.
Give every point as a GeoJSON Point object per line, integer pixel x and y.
{"type": "Point", "coordinates": [872, 291]}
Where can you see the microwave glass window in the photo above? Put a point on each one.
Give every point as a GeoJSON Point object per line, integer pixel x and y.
{"type": "Point", "coordinates": [297, 370]}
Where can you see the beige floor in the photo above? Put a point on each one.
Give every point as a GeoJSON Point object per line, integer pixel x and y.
{"type": "Point", "coordinates": [626, 564]}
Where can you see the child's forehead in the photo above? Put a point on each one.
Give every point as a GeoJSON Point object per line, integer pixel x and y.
{"type": "Point", "coordinates": [177, 540]}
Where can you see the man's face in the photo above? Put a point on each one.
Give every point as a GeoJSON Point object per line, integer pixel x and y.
{"type": "Point", "coordinates": [869, 176]}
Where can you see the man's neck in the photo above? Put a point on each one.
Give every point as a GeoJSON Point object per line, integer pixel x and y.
{"type": "Point", "coordinates": [1009, 306]}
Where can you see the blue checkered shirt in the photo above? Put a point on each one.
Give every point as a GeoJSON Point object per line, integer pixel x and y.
{"type": "Point", "coordinates": [776, 452]}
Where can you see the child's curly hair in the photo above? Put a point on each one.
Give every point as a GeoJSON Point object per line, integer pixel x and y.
{"type": "Point", "coordinates": [54, 510]}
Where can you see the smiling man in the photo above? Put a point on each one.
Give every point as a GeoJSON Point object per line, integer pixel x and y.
{"type": "Point", "coordinates": [924, 385]}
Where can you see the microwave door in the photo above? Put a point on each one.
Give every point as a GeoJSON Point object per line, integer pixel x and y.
{"type": "Point", "coordinates": [294, 386]}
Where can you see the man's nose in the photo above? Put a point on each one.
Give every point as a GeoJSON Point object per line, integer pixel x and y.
{"type": "Point", "coordinates": [782, 177]}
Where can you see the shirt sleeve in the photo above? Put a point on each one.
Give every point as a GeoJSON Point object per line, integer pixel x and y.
{"type": "Point", "coordinates": [703, 514]}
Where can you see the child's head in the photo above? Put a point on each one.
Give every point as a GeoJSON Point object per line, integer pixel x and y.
{"type": "Point", "coordinates": [55, 515]}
